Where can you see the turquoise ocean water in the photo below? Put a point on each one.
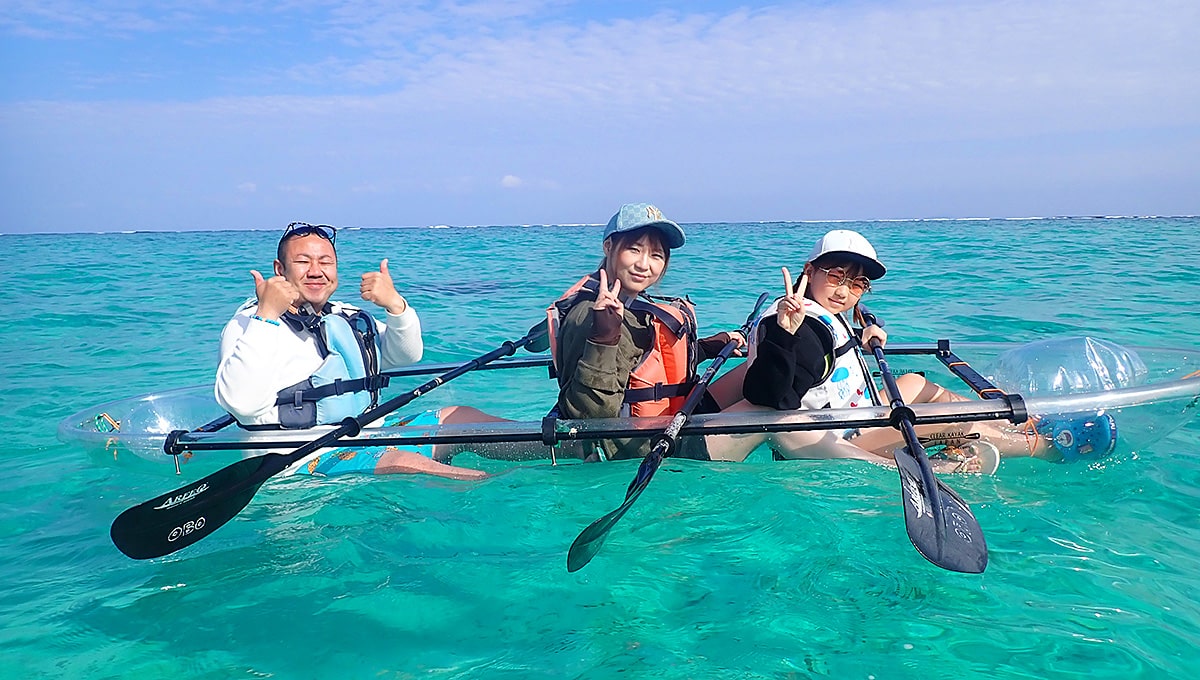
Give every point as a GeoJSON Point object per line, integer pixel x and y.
{"type": "Point", "coordinates": [754, 570]}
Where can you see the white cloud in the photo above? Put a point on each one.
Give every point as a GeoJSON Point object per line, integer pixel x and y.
{"type": "Point", "coordinates": [867, 57]}
{"type": "Point", "coordinates": [247, 187]}
{"type": "Point", "coordinates": [861, 109]}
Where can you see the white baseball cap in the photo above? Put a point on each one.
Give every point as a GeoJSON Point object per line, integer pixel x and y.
{"type": "Point", "coordinates": [852, 244]}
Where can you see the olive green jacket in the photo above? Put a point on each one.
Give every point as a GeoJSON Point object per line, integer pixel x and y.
{"type": "Point", "coordinates": [592, 378]}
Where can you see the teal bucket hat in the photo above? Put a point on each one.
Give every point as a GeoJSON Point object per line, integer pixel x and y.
{"type": "Point", "coordinates": [633, 216]}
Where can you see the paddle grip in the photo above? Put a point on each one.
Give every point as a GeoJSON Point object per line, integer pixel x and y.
{"type": "Point", "coordinates": [901, 413]}
{"type": "Point", "coordinates": [351, 427]}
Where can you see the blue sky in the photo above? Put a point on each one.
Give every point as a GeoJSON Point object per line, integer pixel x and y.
{"type": "Point", "coordinates": [122, 114]}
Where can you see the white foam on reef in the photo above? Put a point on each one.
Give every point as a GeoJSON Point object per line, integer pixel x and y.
{"type": "Point", "coordinates": [1030, 218]}
{"type": "Point", "coordinates": [485, 226]}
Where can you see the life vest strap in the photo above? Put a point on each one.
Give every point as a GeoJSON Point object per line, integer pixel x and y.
{"type": "Point", "coordinates": [371, 383]}
{"type": "Point", "coordinates": [673, 324]}
{"type": "Point", "coordinates": [657, 392]}
{"type": "Point", "coordinates": [644, 303]}
{"type": "Point", "coordinates": [850, 345]}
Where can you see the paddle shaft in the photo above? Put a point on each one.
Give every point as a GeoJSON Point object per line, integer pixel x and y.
{"type": "Point", "coordinates": [902, 419]}
{"type": "Point", "coordinates": [665, 444]}
{"type": "Point", "coordinates": [902, 416]}
{"type": "Point", "coordinates": [694, 397]}
{"type": "Point", "coordinates": [671, 433]}
{"type": "Point", "coordinates": [350, 427]}
{"type": "Point", "coordinates": [173, 446]}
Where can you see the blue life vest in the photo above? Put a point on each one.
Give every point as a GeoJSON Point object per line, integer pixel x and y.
{"type": "Point", "coordinates": [347, 382]}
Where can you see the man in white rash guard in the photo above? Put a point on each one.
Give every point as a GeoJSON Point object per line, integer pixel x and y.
{"type": "Point", "coordinates": [289, 354]}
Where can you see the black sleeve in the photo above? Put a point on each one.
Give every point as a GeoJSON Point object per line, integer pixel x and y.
{"type": "Point", "coordinates": [786, 366]}
{"type": "Point", "coordinates": [711, 346]}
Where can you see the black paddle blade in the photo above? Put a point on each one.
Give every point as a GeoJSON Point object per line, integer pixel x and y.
{"type": "Point", "coordinates": [939, 522]}
{"type": "Point", "coordinates": [177, 519]}
{"type": "Point", "coordinates": [539, 338]}
{"type": "Point", "coordinates": [590, 540]}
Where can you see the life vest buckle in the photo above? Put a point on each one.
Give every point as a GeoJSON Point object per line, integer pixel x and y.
{"type": "Point", "coordinates": [374, 383]}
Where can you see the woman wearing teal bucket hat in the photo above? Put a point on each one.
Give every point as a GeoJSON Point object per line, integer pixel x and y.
{"type": "Point", "coordinates": [620, 351]}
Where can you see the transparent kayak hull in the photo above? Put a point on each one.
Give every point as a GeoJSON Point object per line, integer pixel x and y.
{"type": "Point", "coordinates": [1165, 397]}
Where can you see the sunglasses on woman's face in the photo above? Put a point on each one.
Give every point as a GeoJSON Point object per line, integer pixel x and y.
{"type": "Point", "coordinates": [838, 276]}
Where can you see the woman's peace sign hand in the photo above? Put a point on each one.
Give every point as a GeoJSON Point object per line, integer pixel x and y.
{"type": "Point", "coordinates": [607, 312]}
{"type": "Point", "coordinates": [790, 311]}
{"type": "Point", "coordinates": [609, 297]}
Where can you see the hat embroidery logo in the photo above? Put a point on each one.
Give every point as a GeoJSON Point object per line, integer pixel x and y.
{"type": "Point", "coordinates": [653, 213]}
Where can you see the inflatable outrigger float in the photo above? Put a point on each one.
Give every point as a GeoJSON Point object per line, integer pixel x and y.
{"type": "Point", "coordinates": [1148, 393]}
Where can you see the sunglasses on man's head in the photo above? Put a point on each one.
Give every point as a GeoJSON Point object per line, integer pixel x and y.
{"type": "Point", "coordinates": [304, 228]}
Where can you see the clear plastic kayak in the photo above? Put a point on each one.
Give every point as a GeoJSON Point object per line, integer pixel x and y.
{"type": "Point", "coordinates": [1149, 392]}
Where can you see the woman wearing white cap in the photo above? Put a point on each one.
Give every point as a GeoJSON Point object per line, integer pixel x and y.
{"type": "Point", "coordinates": [805, 355]}
{"type": "Point", "coordinates": [803, 352]}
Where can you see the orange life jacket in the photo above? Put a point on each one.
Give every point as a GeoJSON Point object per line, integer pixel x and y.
{"type": "Point", "coordinates": [661, 380]}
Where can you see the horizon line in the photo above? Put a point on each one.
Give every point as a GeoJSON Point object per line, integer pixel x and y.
{"type": "Point", "coordinates": [598, 224]}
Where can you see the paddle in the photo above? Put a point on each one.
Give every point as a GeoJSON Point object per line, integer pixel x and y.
{"type": "Point", "coordinates": [177, 519]}
{"type": "Point", "coordinates": [939, 522]}
{"type": "Point", "coordinates": [589, 541]}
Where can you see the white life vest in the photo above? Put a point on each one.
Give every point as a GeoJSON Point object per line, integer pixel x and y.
{"type": "Point", "coordinates": [844, 384]}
